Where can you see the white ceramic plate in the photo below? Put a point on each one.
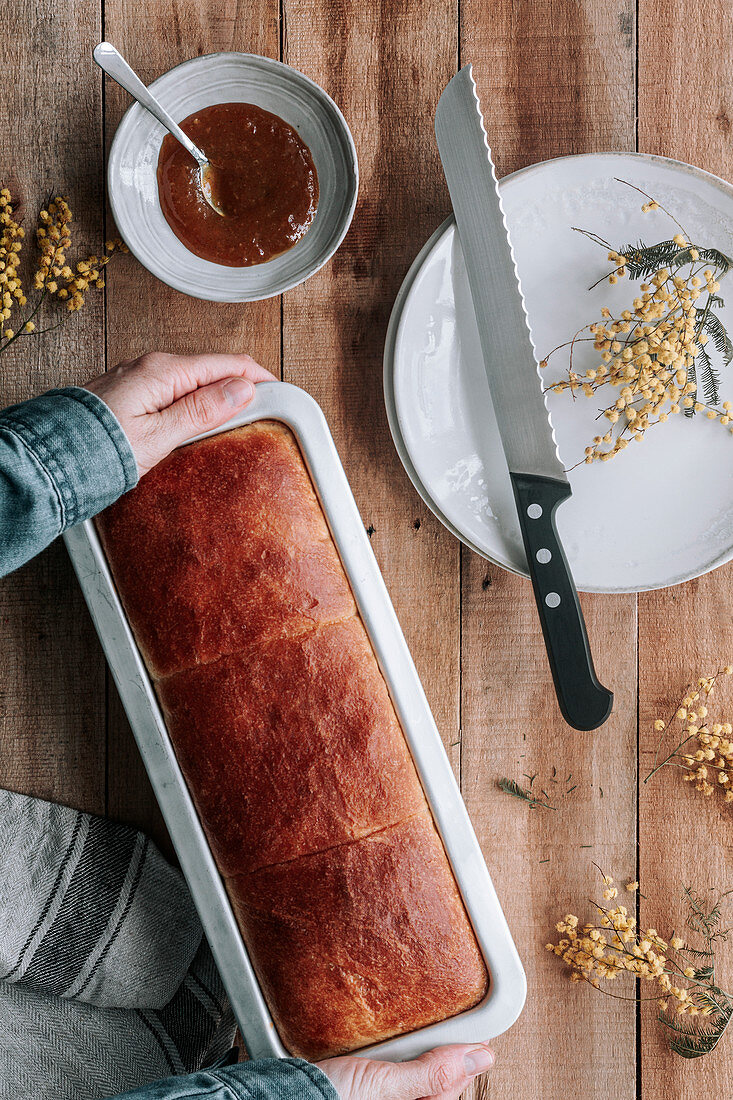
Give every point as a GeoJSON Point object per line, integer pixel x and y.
{"type": "Point", "coordinates": [232, 78]}
{"type": "Point", "coordinates": [659, 513]}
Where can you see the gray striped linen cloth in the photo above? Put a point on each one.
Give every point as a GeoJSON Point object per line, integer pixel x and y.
{"type": "Point", "coordinates": [106, 981]}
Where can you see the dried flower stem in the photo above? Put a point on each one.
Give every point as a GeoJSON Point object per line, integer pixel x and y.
{"type": "Point", "coordinates": [685, 976]}
{"type": "Point", "coordinates": [510, 786]}
{"type": "Point", "coordinates": [714, 752]}
{"type": "Point", "coordinates": [651, 352]}
{"type": "Point", "coordinates": [53, 277]}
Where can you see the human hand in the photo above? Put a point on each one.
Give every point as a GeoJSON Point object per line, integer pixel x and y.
{"type": "Point", "coordinates": [162, 400]}
{"type": "Point", "coordinates": [441, 1074]}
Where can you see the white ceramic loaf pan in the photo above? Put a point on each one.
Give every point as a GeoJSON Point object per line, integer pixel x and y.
{"type": "Point", "coordinates": [505, 998]}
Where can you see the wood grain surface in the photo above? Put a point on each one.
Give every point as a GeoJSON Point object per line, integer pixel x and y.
{"type": "Point", "coordinates": [555, 77]}
{"type": "Point", "coordinates": [334, 325]}
{"type": "Point", "coordinates": [687, 631]}
{"type": "Point", "coordinates": [52, 694]}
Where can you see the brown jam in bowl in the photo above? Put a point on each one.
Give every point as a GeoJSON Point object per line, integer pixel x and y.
{"type": "Point", "coordinates": [265, 181]}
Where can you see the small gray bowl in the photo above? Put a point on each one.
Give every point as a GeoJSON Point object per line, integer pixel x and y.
{"type": "Point", "coordinates": [232, 78]}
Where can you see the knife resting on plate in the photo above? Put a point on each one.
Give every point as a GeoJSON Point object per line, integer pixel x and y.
{"type": "Point", "coordinates": [538, 477]}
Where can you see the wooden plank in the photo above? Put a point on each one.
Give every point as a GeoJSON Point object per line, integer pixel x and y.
{"type": "Point", "coordinates": [386, 73]}
{"type": "Point", "coordinates": [685, 111]}
{"type": "Point", "coordinates": [538, 859]}
{"type": "Point", "coordinates": [52, 735]}
{"type": "Point", "coordinates": [684, 632]}
{"type": "Point", "coordinates": [144, 314]}
{"type": "Point", "coordinates": [554, 78]}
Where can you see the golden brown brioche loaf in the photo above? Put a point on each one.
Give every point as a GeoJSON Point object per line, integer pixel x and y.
{"type": "Point", "coordinates": [222, 548]}
{"type": "Point", "coordinates": [295, 747]}
{"type": "Point", "coordinates": [362, 941]}
{"type": "Point", "coordinates": [290, 745]}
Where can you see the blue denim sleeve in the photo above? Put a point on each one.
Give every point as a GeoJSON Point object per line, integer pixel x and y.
{"type": "Point", "coordinates": [63, 458]}
{"type": "Point", "coordinates": [266, 1079]}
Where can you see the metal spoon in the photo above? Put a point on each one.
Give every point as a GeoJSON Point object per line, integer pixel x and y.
{"type": "Point", "coordinates": [114, 64]}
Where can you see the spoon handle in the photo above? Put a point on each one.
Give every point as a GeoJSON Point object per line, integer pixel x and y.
{"type": "Point", "coordinates": [114, 64]}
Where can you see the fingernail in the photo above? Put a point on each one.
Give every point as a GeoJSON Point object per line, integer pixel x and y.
{"type": "Point", "coordinates": [478, 1061]}
{"type": "Point", "coordinates": [238, 391]}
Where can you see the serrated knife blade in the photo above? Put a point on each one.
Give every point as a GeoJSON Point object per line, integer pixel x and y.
{"type": "Point", "coordinates": [538, 477]}
{"type": "Point", "coordinates": [509, 354]}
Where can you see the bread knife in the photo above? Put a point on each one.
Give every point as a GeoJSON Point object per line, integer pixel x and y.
{"type": "Point", "coordinates": [538, 477]}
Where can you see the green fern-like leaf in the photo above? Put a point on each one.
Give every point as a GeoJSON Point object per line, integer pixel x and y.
{"type": "Point", "coordinates": [709, 378]}
{"type": "Point", "coordinates": [716, 999]}
{"type": "Point", "coordinates": [695, 1041]}
{"type": "Point", "coordinates": [715, 257]}
{"type": "Point", "coordinates": [705, 255]}
{"type": "Point", "coordinates": [643, 260]}
{"type": "Point", "coordinates": [701, 919]}
{"type": "Point", "coordinates": [692, 1039]}
{"type": "Point", "coordinates": [698, 952]}
{"type": "Point", "coordinates": [716, 330]}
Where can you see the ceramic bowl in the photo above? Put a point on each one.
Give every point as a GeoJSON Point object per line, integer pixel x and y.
{"type": "Point", "coordinates": [230, 78]}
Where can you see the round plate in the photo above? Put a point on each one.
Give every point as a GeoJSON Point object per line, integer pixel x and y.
{"type": "Point", "coordinates": [657, 514]}
{"type": "Point", "coordinates": [389, 359]}
{"type": "Point", "coordinates": [232, 78]}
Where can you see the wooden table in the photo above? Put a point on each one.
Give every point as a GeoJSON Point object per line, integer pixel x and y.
{"type": "Point", "coordinates": [556, 77]}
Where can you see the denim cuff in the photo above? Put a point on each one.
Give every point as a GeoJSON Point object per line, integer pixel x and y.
{"type": "Point", "coordinates": [277, 1079]}
{"type": "Point", "coordinates": [264, 1079]}
{"type": "Point", "coordinates": [79, 443]}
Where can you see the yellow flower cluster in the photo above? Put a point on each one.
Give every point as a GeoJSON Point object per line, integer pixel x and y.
{"type": "Point", "coordinates": [598, 952]}
{"type": "Point", "coordinates": [11, 244]}
{"type": "Point", "coordinates": [54, 274]}
{"type": "Point", "coordinates": [648, 352]}
{"type": "Point", "coordinates": [705, 751]}
{"type": "Point", "coordinates": [54, 237]}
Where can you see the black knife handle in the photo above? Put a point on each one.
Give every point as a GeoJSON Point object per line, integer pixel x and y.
{"type": "Point", "coordinates": [584, 702]}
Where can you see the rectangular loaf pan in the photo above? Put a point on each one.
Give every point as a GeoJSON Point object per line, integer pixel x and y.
{"type": "Point", "coordinates": [505, 998]}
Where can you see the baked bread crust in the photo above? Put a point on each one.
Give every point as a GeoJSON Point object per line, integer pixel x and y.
{"type": "Point", "coordinates": [378, 927]}
{"type": "Point", "coordinates": [290, 745]}
{"type": "Point", "coordinates": [223, 546]}
{"type": "Point", "coordinates": [295, 747]}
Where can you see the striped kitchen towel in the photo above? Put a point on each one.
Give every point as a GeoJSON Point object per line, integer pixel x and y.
{"type": "Point", "coordinates": [106, 982]}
